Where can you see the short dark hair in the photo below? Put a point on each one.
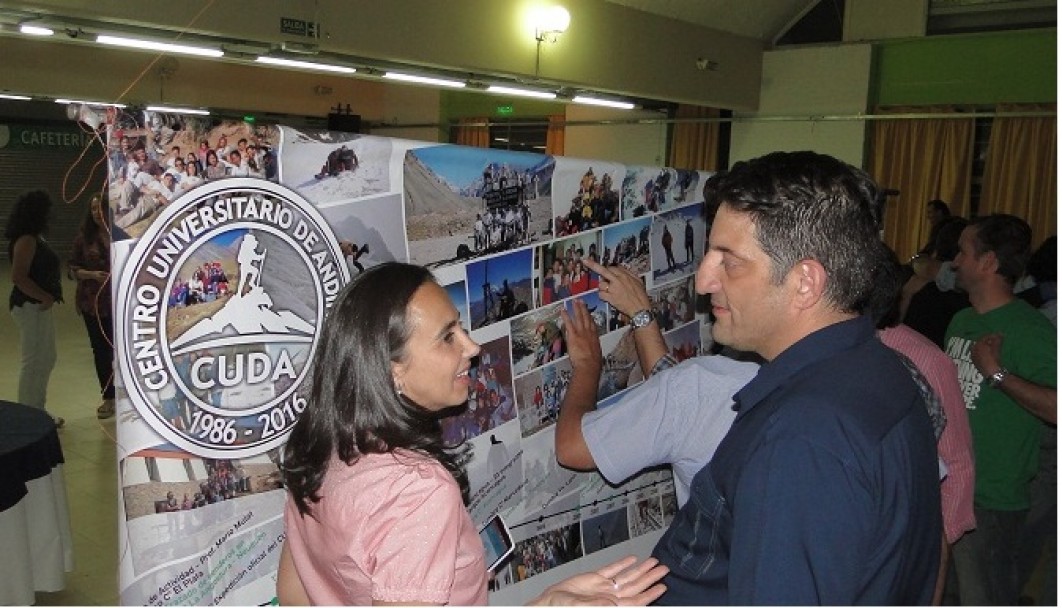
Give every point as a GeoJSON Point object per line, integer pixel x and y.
{"type": "Point", "coordinates": [946, 244]}
{"type": "Point", "coordinates": [883, 305]}
{"type": "Point", "coordinates": [939, 205]}
{"type": "Point", "coordinates": [1043, 265]}
{"type": "Point", "coordinates": [352, 405]}
{"type": "Point", "coordinates": [1007, 236]}
{"type": "Point", "coordinates": [806, 205]}
{"type": "Point", "coordinates": [29, 214]}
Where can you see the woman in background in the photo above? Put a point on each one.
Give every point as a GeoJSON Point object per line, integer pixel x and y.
{"type": "Point", "coordinates": [36, 287]}
{"type": "Point", "coordinates": [214, 169]}
{"type": "Point", "coordinates": [190, 179]}
{"type": "Point", "coordinates": [90, 266]}
{"type": "Point", "coordinates": [376, 505]}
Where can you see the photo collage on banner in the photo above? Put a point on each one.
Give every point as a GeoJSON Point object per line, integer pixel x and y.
{"type": "Point", "coordinates": [232, 241]}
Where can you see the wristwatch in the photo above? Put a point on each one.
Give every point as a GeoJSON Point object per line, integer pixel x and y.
{"type": "Point", "coordinates": [641, 318]}
{"type": "Point", "coordinates": [996, 379]}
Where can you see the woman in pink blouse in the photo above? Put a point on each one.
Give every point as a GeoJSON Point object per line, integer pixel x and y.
{"type": "Point", "coordinates": [376, 506]}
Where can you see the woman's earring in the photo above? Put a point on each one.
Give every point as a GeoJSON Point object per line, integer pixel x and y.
{"type": "Point", "coordinates": [398, 389]}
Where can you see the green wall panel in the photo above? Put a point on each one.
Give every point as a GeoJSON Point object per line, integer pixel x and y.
{"type": "Point", "coordinates": [983, 69]}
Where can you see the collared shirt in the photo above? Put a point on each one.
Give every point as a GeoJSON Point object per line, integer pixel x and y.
{"type": "Point", "coordinates": [955, 444]}
{"type": "Point", "coordinates": [678, 417]}
{"type": "Point", "coordinates": [825, 490]}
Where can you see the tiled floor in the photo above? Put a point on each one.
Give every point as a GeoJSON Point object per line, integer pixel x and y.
{"type": "Point", "coordinates": [88, 444]}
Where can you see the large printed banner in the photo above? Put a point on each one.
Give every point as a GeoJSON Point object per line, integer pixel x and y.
{"type": "Point", "coordinates": [231, 242]}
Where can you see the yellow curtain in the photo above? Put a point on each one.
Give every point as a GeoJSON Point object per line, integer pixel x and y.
{"type": "Point", "coordinates": [555, 135]}
{"type": "Point", "coordinates": [473, 136]}
{"type": "Point", "coordinates": [1020, 176]}
{"type": "Point", "coordinates": [924, 159]}
{"type": "Point", "coordinates": [695, 145]}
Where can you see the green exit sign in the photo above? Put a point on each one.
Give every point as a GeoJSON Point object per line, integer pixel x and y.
{"type": "Point", "coordinates": [505, 110]}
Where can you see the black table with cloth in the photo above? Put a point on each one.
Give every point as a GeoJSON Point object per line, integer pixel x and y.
{"type": "Point", "coordinates": [36, 549]}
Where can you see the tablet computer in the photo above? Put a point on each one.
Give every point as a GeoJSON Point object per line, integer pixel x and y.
{"type": "Point", "coordinates": [497, 542]}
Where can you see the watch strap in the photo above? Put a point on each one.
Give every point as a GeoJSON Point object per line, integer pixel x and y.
{"type": "Point", "coordinates": [996, 379]}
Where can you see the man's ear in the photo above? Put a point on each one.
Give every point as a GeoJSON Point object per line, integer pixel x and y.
{"type": "Point", "coordinates": [809, 278]}
{"type": "Point", "coordinates": [989, 262]}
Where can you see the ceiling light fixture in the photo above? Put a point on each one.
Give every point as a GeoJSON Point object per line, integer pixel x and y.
{"type": "Point", "coordinates": [551, 22]}
{"type": "Point", "coordinates": [306, 65]}
{"type": "Point", "coordinates": [457, 84]}
{"type": "Point", "coordinates": [608, 103]}
{"type": "Point", "coordinates": [502, 90]}
{"type": "Point", "coordinates": [174, 110]}
{"type": "Point", "coordinates": [15, 97]}
{"type": "Point", "coordinates": [165, 47]}
{"type": "Point", "coordinates": [35, 30]}
{"type": "Point", "coordinates": [92, 103]}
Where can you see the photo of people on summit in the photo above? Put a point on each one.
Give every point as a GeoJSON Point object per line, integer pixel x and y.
{"type": "Point", "coordinates": [584, 197]}
{"type": "Point", "coordinates": [627, 245]}
{"type": "Point", "coordinates": [677, 240]}
{"type": "Point", "coordinates": [655, 189]}
{"type": "Point", "coordinates": [155, 157]}
{"type": "Point", "coordinates": [465, 202]}
{"type": "Point", "coordinates": [499, 287]}
{"type": "Point", "coordinates": [328, 166]}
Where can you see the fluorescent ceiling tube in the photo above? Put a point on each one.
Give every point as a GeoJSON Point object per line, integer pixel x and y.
{"type": "Point", "coordinates": [91, 103]}
{"type": "Point", "coordinates": [307, 65]}
{"type": "Point", "coordinates": [14, 97]}
{"type": "Point", "coordinates": [165, 47]}
{"type": "Point", "coordinates": [521, 92]}
{"type": "Point", "coordinates": [608, 103]}
{"type": "Point", "coordinates": [177, 110]}
{"type": "Point", "coordinates": [36, 30]}
{"type": "Point", "coordinates": [424, 80]}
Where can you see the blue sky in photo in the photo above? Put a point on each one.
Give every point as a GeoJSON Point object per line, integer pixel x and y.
{"type": "Point", "coordinates": [617, 232]}
{"type": "Point", "coordinates": [461, 165]}
{"type": "Point", "coordinates": [514, 266]}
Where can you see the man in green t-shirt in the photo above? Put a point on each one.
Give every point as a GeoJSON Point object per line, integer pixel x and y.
{"type": "Point", "coordinates": [1005, 352]}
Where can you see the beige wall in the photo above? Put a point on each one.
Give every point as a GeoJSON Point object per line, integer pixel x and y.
{"type": "Point", "coordinates": [808, 82]}
{"type": "Point", "coordinates": [608, 47]}
{"type": "Point", "coordinates": [634, 144]}
{"type": "Point", "coordinates": [877, 20]}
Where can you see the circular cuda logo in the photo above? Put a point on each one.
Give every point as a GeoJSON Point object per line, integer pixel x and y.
{"type": "Point", "coordinates": [218, 312]}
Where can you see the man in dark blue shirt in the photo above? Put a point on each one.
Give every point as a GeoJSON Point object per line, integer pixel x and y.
{"type": "Point", "coordinates": [826, 489]}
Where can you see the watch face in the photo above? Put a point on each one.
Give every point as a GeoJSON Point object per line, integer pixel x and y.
{"type": "Point", "coordinates": [641, 318]}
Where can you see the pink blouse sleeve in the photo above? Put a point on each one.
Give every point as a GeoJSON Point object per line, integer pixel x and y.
{"type": "Point", "coordinates": [416, 541]}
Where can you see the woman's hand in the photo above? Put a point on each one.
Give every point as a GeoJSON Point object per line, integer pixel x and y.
{"type": "Point", "coordinates": [621, 583]}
